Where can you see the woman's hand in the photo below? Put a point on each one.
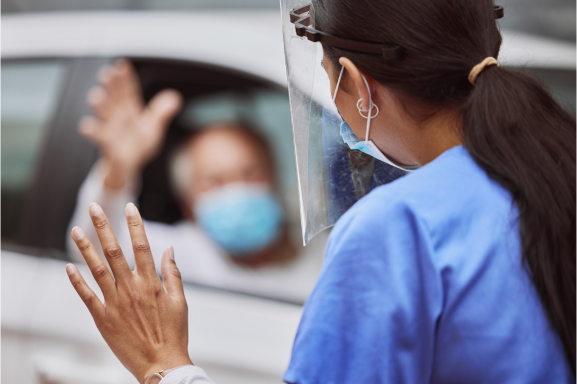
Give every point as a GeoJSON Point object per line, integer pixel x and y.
{"type": "Point", "coordinates": [128, 133]}
{"type": "Point", "coordinates": [143, 320]}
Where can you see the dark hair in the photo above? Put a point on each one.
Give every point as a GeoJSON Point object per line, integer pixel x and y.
{"type": "Point", "coordinates": [511, 125]}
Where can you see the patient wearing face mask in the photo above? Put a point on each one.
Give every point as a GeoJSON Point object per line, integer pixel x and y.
{"type": "Point", "coordinates": [224, 179]}
{"type": "Point", "coordinates": [234, 234]}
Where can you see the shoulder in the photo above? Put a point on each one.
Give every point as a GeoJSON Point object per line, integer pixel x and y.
{"type": "Point", "coordinates": [452, 187]}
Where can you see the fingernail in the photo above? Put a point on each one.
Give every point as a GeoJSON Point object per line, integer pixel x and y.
{"type": "Point", "coordinates": [70, 269]}
{"type": "Point", "coordinates": [77, 233]}
{"type": "Point", "coordinates": [95, 209]}
{"type": "Point", "coordinates": [171, 253]}
{"type": "Point", "coordinates": [131, 209]}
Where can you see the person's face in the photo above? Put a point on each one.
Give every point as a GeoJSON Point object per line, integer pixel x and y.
{"type": "Point", "coordinates": [226, 154]}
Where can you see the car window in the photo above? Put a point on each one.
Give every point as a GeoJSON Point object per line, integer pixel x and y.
{"type": "Point", "coordinates": [30, 93]}
{"type": "Point", "coordinates": [214, 93]}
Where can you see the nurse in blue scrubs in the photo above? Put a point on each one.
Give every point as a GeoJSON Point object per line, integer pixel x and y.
{"type": "Point", "coordinates": [460, 271]}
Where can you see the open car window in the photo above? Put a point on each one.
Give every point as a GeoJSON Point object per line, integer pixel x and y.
{"type": "Point", "coordinates": [213, 93]}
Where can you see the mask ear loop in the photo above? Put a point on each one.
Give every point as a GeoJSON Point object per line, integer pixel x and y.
{"type": "Point", "coordinates": [371, 105]}
{"type": "Point", "coordinates": [338, 83]}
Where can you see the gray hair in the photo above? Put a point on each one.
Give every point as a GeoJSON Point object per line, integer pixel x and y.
{"type": "Point", "coordinates": [180, 170]}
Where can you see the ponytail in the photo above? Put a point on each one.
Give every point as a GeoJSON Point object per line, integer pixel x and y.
{"type": "Point", "coordinates": [524, 140]}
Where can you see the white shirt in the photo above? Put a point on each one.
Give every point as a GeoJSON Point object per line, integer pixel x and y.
{"type": "Point", "coordinates": [200, 260]}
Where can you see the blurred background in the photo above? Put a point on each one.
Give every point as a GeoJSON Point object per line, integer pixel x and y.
{"type": "Point", "coordinates": [226, 58]}
{"type": "Point", "coordinates": [551, 18]}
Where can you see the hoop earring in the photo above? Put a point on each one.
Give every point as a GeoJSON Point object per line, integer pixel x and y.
{"type": "Point", "coordinates": [363, 110]}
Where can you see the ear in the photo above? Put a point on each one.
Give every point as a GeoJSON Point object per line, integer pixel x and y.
{"type": "Point", "coordinates": [360, 85]}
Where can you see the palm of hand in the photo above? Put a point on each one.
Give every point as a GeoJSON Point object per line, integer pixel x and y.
{"type": "Point", "coordinates": [131, 137]}
{"type": "Point", "coordinates": [128, 133]}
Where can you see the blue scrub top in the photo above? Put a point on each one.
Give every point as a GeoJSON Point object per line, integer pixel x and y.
{"type": "Point", "coordinates": [423, 282]}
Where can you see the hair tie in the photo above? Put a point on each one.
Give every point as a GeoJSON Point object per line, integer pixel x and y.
{"type": "Point", "coordinates": [477, 69]}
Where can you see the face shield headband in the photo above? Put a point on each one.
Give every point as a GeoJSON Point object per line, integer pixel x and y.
{"type": "Point", "coordinates": [303, 19]}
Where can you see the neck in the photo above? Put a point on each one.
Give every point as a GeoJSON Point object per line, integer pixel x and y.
{"type": "Point", "coordinates": [437, 135]}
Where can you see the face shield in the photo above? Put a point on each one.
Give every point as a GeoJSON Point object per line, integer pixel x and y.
{"type": "Point", "coordinates": [331, 176]}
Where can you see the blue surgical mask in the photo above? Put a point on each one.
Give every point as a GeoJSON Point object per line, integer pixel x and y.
{"type": "Point", "coordinates": [241, 218]}
{"type": "Point", "coordinates": [366, 146]}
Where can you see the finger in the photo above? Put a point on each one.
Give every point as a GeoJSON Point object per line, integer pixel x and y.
{"type": "Point", "coordinates": [128, 82]}
{"type": "Point", "coordinates": [117, 80]}
{"type": "Point", "coordinates": [171, 277]}
{"type": "Point", "coordinates": [110, 246]}
{"type": "Point", "coordinates": [89, 128]}
{"type": "Point", "coordinates": [100, 102]}
{"type": "Point", "coordinates": [104, 74]}
{"type": "Point", "coordinates": [163, 107]}
{"type": "Point", "coordinates": [108, 78]}
{"type": "Point", "coordinates": [142, 255]}
{"type": "Point", "coordinates": [97, 266]}
{"type": "Point", "coordinates": [87, 295]}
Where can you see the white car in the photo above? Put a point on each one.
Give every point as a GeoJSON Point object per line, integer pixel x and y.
{"type": "Point", "coordinates": [49, 61]}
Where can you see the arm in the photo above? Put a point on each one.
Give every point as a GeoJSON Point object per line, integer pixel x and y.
{"type": "Point", "coordinates": [144, 321]}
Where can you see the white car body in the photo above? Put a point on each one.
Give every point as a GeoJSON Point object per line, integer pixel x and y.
{"type": "Point", "coordinates": [47, 333]}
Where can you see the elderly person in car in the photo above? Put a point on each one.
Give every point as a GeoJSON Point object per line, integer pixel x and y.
{"type": "Point", "coordinates": [224, 178]}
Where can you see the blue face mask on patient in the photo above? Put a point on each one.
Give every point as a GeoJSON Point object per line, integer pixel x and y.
{"type": "Point", "coordinates": [241, 218]}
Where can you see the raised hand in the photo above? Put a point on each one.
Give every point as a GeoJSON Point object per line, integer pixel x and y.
{"type": "Point", "coordinates": [143, 320]}
{"type": "Point", "coordinates": [128, 133]}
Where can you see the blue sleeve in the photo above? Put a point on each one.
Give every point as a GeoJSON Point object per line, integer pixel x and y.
{"type": "Point", "coordinates": [371, 317]}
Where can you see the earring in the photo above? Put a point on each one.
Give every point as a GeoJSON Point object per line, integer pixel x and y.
{"type": "Point", "coordinates": [363, 110]}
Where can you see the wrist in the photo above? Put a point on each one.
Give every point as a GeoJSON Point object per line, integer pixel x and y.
{"type": "Point", "coordinates": [117, 175]}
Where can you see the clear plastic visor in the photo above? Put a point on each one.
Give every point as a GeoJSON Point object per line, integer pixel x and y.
{"type": "Point", "coordinates": [331, 177]}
